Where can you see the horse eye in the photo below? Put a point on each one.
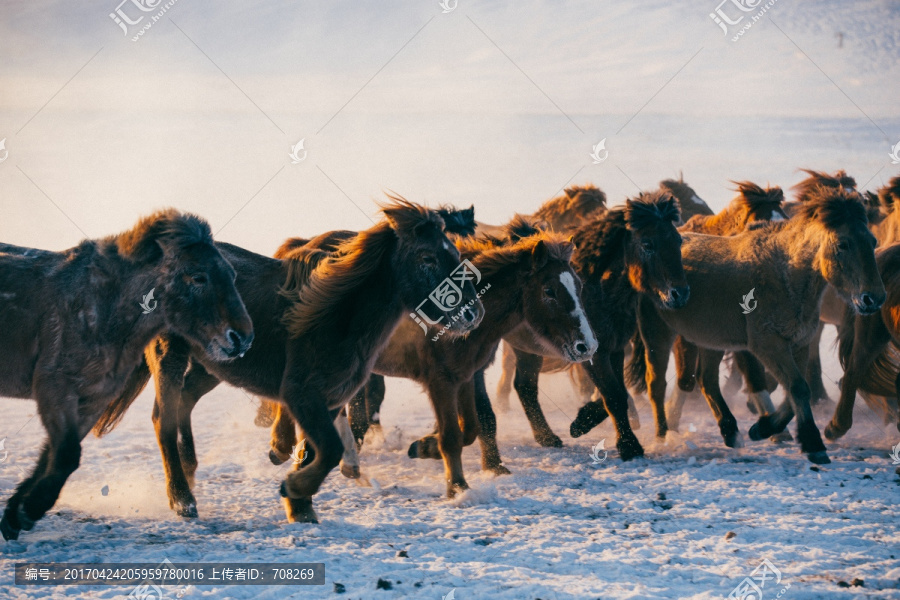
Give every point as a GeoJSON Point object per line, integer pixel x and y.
{"type": "Point", "coordinates": [199, 279]}
{"type": "Point", "coordinates": [549, 292]}
{"type": "Point", "coordinates": [843, 246]}
{"type": "Point", "coordinates": [428, 259]}
{"type": "Point", "coordinates": [647, 245]}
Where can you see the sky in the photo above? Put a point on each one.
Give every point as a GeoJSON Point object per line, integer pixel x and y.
{"type": "Point", "coordinates": [493, 104]}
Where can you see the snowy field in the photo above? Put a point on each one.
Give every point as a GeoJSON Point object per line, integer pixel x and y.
{"type": "Point", "coordinates": [496, 104]}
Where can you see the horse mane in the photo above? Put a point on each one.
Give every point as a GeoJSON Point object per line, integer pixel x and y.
{"type": "Point", "coordinates": [177, 230]}
{"type": "Point", "coordinates": [750, 199]}
{"type": "Point", "coordinates": [820, 180]}
{"type": "Point", "coordinates": [602, 241]}
{"type": "Point", "coordinates": [834, 207]}
{"type": "Point", "coordinates": [489, 259]}
{"type": "Point", "coordinates": [890, 194]}
{"type": "Point", "coordinates": [579, 200]}
{"type": "Point", "coordinates": [318, 281]}
{"type": "Point", "coordinates": [459, 221]}
{"type": "Point", "coordinates": [519, 227]}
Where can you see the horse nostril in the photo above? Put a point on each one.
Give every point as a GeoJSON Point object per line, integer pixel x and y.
{"type": "Point", "coordinates": [581, 348]}
{"type": "Point", "coordinates": [235, 339]}
{"type": "Point", "coordinates": [468, 315]}
{"type": "Point", "coordinates": [676, 295]}
{"type": "Point", "coordinates": [868, 300]}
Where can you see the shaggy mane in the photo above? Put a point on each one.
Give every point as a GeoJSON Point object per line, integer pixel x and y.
{"type": "Point", "coordinates": [834, 207]}
{"type": "Point", "coordinates": [578, 200]}
{"type": "Point", "coordinates": [601, 242]}
{"type": "Point", "coordinates": [181, 230]}
{"type": "Point", "coordinates": [820, 180]}
{"type": "Point", "coordinates": [490, 259]}
{"type": "Point", "coordinates": [318, 281]}
{"type": "Point", "coordinates": [459, 221]}
{"type": "Point", "coordinates": [890, 194]}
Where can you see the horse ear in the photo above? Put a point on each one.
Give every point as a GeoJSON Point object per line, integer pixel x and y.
{"type": "Point", "coordinates": [571, 192]}
{"type": "Point", "coordinates": [539, 256]}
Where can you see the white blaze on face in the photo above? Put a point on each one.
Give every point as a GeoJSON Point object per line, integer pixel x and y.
{"type": "Point", "coordinates": [696, 199]}
{"type": "Point", "coordinates": [587, 333]}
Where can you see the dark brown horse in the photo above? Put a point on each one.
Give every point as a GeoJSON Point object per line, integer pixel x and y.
{"type": "Point", "coordinates": [752, 205]}
{"type": "Point", "coordinates": [787, 265]}
{"type": "Point", "coordinates": [689, 203]}
{"type": "Point", "coordinates": [321, 320]}
{"type": "Point", "coordinates": [627, 253]}
{"type": "Point", "coordinates": [76, 324]}
{"type": "Point", "coordinates": [520, 357]}
{"type": "Point", "coordinates": [525, 283]}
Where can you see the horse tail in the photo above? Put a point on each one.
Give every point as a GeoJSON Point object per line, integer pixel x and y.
{"type": "Point", "coordinates": [136, 383]}
{"type": "Point", "coordinates": [636, 369]}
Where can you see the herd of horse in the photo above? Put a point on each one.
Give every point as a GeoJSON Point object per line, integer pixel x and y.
{"type": "Point", "coordinates": [607, 294]}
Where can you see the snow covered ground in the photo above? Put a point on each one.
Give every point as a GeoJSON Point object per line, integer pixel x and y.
{"type": "Point", "coordinates": [496, 104]}
{"type": "Point", "coordinates": [690, 520]}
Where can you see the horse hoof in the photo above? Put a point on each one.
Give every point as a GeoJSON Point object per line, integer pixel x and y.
{"type": "Point", "coordinates": [300, 511]}
{"type": "Point", "coordinates": [630, 449]}
{"type": "Point", "coordinates": [819, 458]}
{"type": "Point", "coordinates": [456, 488]}
{"type": "Point", "coordinates": [350, 471]}
{"type": "Point", "coordinates": [277, 458]}
{"type": "Point", "coordinates": [187, 511]}
{"type": "Point", "coordinates": [549, 440]}
{"type": "Point", "coordinates": [499, 470]}
{"type": "Point", "coordinates": [25, 522]}
{"type": "Point", "coordinates": [8, 530]}
{"type": "Point", "coordinates": [413, 451]}
{"type": "Point", "coordinates": [734, 440]}
{"type": "Point", "coordinates": [832, 432]}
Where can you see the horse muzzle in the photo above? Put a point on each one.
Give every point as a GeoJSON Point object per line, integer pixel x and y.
{"type": "Point", "coordinates": [867, 304]}
{"type": "Point", "coordinates": [676, 297]}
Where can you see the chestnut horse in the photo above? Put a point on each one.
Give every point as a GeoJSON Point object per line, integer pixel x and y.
{"type": "Point", "coordinates": [321, 321]}
{"type": "Point", "coordinates": [76, 324]}
{"type": "Point", "coordinates": [788, 264]}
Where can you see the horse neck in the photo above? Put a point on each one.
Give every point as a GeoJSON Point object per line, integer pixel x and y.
{"type": "Point", "coordinates": [620, 295]}
{"type": "Point", "coordinates": [127, 321]}
{"type": "Point", "coordinates": [503, 303]}
{"type": "Point", "coordinates": [800, 245]}
{"type": "Point", "coordinates": [888, 231]}
{"type": "Point", "coordinates": [727, 222]}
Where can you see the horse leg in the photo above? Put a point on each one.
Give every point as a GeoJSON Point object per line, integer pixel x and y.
{"type": "Point", "coordinates": [444, 397]}
{"type": "Point", "coordinates": [758, 389]}
{"type": "Point", "coordinates": [686, 366]}
{"type": "Point", "coordinates": [67, 422]}
{"type": "Point", "coordinates": [197, 383]}
{"type": "Point", "coordinates": [603, 371]}
{"type": "Point", "coordinates": [358, 416]}
{"type": "Point", "coordinates": [788, 365]}
{"type": "Point", "coordinates": [168, 360]}
{"type": "Point", "coordinates": [10, 524]}
{"type": "Point", "coordinates": [867, 347]}
{"type": "Point", "coordinates": [309, 409]}
{"type": "Point", "coordinates": [374, 399]}
{"type": "Point", "coordinates": [528, 370]}
{"type": "Point", "coordinates": [284, 437]}
{"type": "Point", "coordinates": [487, 421]}
{"type": "Point", "coordinates": [709, 385]}
{"type": "Point", "coordinates": [350, 458]}
{"type": "Point", "coordinates": [507, 374]}
{"type": "Point", "coordinates": [266, 413]}
{"type": "Point", "coordinates": [658, 340]}
{"type": "Point", "coordinates": [814, 368]}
